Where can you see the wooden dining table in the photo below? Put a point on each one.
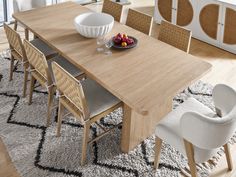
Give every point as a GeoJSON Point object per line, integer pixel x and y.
{"type": "Point", "coordinates": [145, 78]}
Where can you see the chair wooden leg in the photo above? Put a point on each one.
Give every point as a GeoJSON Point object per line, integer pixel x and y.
{"type": "Point", "coordinates": [32, 82]}
{"type": "Point", "coordinates": [85, 142]}
{"type": "Point", "coordinates": [228, 157]}
{"type": "Point", "coordinates": [25, 81]}
{"type": "Point", "coordinates": [157, 152]}
{"type": "Point", "coordinates": [50, 102]}
{"type": "Point", "coordinates": [190, 155]}
{"type": "Point", "coordinates": [11, 68]}
{"type": "Point", "coordinates": [15, 25]}
{"type": "Point", "coordinates": [59, 118]}
{"type": "Point", "coordinates": [26, 33]}
{"type": "Point", "coordinates": [35, 37]}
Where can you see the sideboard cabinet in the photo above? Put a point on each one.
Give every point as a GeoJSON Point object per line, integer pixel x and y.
{"type": "Point", "coordinates": [212, 21]}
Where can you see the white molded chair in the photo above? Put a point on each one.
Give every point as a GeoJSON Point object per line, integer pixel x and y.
{"type": "Point", "coordinates": [196, 131]}
{"type": "Point", "coordinates": [24, 5]}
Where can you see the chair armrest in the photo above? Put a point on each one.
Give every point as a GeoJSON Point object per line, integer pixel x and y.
{"type": "Point", "coordinates": [224, 98]}
{"type": "Point", "coordinates": [205, 132]}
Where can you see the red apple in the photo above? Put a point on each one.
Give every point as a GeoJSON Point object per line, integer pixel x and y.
{"type": "Point", "coordinates": [117, 39]}
{"type": "Point", "coordinates": [130, 41]}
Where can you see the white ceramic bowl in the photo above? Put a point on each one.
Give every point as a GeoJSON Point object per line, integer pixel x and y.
{"type": "Point", "coordinates": [93, 25]}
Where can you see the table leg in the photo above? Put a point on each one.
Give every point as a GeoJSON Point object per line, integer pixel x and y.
{"type": "Point", "coordinates": [137, 127]}
{"type": "Point", "coordinates": [26, 33]}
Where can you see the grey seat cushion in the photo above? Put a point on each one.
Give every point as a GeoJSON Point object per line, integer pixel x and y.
{"type": "Point", "coordinates": [69, 67]}
{"type": "Point", "coordinates": [43, 47]}
{"type": "Point", "coordinates": [98, 99]}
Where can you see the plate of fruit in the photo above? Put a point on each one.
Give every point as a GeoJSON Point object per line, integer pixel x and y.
{"type": "Point", "coordinates": [123, 41]}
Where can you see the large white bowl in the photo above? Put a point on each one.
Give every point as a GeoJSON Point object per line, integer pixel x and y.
{"type": "Point", "coordinates": [93, 25]}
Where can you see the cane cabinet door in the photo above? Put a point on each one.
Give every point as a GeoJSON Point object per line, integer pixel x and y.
{"type": "Point", "coordinates": [228, 37]}
{"type": "Point", "coordinates": [185, 15]}
{"type": "Point", "coordinates": [164, 10]}
{"type": "Point", "coordinates": [209, 17]}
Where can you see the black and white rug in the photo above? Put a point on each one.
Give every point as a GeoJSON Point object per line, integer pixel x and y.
{"type": "Point", "coordinates": [36, 151]}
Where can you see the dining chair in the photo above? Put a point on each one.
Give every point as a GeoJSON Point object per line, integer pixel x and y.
{"type": "Point", "coordinates": [18, 53]}
{"type": "Point", "coordinates": [41, 71]}
{"type": "Point", "coordinates": [24, 5]}
{"type": "Point", "coordinates": [139, 21]}
{"type": "Point", "coordinates": [196, 131]}
{"type": "Point", "coordinates": [86, 100]}
{"type": "Point", "coordinates": [113, 8]}
{"type": "Point", "coordinates": [175, 35]}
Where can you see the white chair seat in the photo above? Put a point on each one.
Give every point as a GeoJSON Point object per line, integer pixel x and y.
{"type": "Point", "coordinates": [169, 128]}
{"type": "Point", "coordinates": [98, 98]}
{"type": "Point", "coordinates": [43, 47]}
{"type": "Point", "coordinates": [69, 67]}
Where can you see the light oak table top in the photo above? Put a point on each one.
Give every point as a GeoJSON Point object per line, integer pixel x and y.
{"type": "Point", "coordinates": [142, 77]}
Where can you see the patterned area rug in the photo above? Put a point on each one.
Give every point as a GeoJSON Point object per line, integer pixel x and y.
{"type": "Point", "coordinates": [36, 151]}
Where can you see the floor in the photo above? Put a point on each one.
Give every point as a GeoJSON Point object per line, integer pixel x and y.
{"type": "Point", "coordinates": [223, 71]}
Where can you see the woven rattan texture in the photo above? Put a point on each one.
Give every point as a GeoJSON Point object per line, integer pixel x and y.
{"type": "Point", "coordinates": [209, 19]}
{"type": "Point", "coordinates": [69, 87]}
{"type": "Point", "coordinates": [14, 40]}
{"type": "Point", "coordinates": [113, 9]}
{"type": "Point", "coordinates": [185, 13]}
{"type": "Point", "coordinates": [175, 36]}
{"type": "Point", "coordinates": [230, 26]}
{"type": "Point", "coordinates": [165, 9]}
{"type": "Point", "coordinates": [139, 21]}
{"type": "Point", "coordinates": [36, 59]}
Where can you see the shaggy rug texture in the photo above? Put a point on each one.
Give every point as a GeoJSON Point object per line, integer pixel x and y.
{"type": "Point", "coordinates": [36, 151]}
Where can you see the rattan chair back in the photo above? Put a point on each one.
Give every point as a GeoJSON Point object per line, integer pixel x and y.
{"type": "Point", "coordinates": [15, 42]}
{"type": "Point", "coordinates": [175, 35]}
{"type": "Point", "coordinates": [112, 8]}
{"type": "Point", "coordinates": [139, 21]}
{"type": "Point", "coordinates": [37, 61]}
{"type": "Point", "coordinates": [71, 88]}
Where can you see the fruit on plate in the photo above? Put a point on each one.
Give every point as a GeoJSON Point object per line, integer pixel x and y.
{"type": "Point", "coordinates": [123, 44]}
{"type": "Point", "coordinates": [122, 40]}
{"type": "Point", "coordinates": [118, 39]}
{"type": "Point", "coordinates": [130, 41]}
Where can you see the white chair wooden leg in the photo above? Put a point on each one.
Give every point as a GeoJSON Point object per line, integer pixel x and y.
{"type": "Point", "coordinates": [228, 157]}
{"type": "Point", "coordinates": [157, 152]}
{"type": "Point", "coordinates": [190, 155]}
